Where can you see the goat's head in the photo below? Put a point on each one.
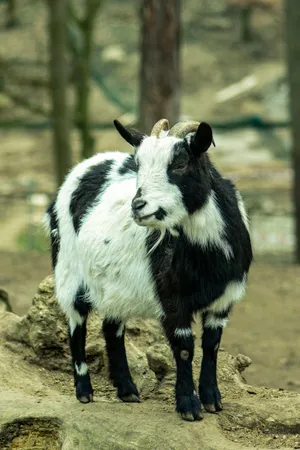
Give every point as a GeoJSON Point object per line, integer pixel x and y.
{"type": "Point", "coordinates": [172, 175]}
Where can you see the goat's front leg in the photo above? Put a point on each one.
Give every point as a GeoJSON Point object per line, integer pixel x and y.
{"type": "Point", "coordinates": [77, 335]}
{"type": "Point", "coordinates": [182, 343]}
{"type": "Point", "coordinates": [114, 332]}
{"type": "Point", "coordinates": [213, 324]}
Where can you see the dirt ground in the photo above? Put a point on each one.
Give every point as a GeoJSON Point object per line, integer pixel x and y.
{"type": "Point", "coordinates": [42, 412]}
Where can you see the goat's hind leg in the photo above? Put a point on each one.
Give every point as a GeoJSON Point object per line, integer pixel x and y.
{"type": "Point", "coordinates": [77, 335]}
{"type": "Point", "coordinates": [114, 333]}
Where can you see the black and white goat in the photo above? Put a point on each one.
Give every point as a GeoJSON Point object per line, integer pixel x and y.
{"type": "Point", "coordinates": [158, 234]}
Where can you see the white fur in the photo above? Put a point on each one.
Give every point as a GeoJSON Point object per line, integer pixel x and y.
{"type": "Point", "coordinates": [82, 369]}
{"type": "Point", "coordinates": [120, 330]}
{"type": "Point", "coordinates": [183, 332]}
{"type": "Point", "coordinates": [75, 319]}
{"type": "Point", "coordinates": [214, 322]}
{"type": "Point", "coordinates": [68, 271]}
{"type": "Point", "coordinates": [232, 294]}
{"type": "Point", "coordinates": [153, 157]}
{"type": "Point", "coordinates": [242, 209]}
{"type": "Point", "coordinates": [206, 227]}
{"type": "Point", "coordinates": [118, 274]}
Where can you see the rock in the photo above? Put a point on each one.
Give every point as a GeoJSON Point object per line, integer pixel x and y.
{"type": "Point", "coordinates": [242, 362]}
{"type": "Point", "coordinates": [160, 359]}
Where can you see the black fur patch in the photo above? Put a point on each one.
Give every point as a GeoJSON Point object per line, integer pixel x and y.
{"type": "Point", "coordinates": [160, 214]}
{"type": "Point", "coordinates": [129, 165]}
{"type": "Point", "coordinates": [91, 185]}
{"type": "Point", "coordinates": [81, 303]}
{"type": "Point", "coordinates": [54, 238]}
{"type": "Point", "coordinates": [193, 180]}
{"type": "Point", "coordinates": [189, 277]}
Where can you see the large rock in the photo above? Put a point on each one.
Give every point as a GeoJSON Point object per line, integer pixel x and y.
{"type": "Point", "coordinates": [38, 408]}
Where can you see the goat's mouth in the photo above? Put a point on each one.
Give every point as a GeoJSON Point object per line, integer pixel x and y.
{"type": "Point", "coordinates": [140, 219]}
{"type": "Point", "coordinates": [150, 219]}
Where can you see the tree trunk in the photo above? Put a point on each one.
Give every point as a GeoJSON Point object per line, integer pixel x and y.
{"type": "Point", "coordinates": [82, 53]}
{"type": "Point", "coordinates": [293, 63]}
{"type": "Point", "coordinates": [159, 71]}
{"type": "Point", "coordinates": [11, 14]}
{"type": "Point", "coordinates": [246, 29]}
{"type": "Point", "coordinates": [59, 84]}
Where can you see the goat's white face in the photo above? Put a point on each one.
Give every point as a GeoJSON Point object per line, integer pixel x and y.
{"type": "Point", "coordinates": [158, 201]}
{"type": "Point", "coordinates": [172, 177]}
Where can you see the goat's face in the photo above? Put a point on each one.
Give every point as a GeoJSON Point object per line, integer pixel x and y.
{"type": "Point", "coordinates": [170, 174]}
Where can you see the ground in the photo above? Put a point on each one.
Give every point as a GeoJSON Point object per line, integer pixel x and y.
{"type": "Point", "coordinates": [41, 412]}
{"type": "Point", "coordinates": [264, 325]}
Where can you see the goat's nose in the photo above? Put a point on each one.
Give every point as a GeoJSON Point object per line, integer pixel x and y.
{"type": "Point", "coordinates": [137, 204]}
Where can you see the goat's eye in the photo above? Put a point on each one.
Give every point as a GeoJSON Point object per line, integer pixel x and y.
{"type": "Point", "coordinates": [179, 167]}
{"type": "Point", "coordinates": [180, 163]}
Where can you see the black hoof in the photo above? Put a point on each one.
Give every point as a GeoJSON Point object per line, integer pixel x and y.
{"type": "Point", "coordinates": [127, 392]}
{"type": "Point", "coordinates": [84, 391]}
{"type": "Point", "coordinates": [189, 407]}
{"type": "Point", "coordinates": [85, 398]}
{"type": "Point", "coordinates": [132, 398]}
{"type": "Point", "coordinates": [210, 398]}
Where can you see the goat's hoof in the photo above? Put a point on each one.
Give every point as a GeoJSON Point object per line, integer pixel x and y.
{"type": "Point", "coordinates": [127, 391]}
{"type": "Point", "coordinates": [131, 398]}
{"type": "Point", "coordinates": [189, 417]}
{"type": "Point", "coordinates": [84, 391]}
{"type": "Point", "coordinates": [189, 407]}
{"type": "Point", "coordinates": [85, 398]}
{"type": "Point", "coordinates": [211, 399]}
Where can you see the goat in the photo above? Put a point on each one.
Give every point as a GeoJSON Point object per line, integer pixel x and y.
{"type": "Point", "coordinates": [155, 234]}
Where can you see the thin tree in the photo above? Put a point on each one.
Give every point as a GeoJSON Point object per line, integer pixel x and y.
{"type": "Point", "coordinates": [160, 62]}
{"type": "Point", "coordinates": [11, 14]}
{"type": "Point", "coordinates": [81, 42]}
{"type": "Point", "coordinates": [293, 63]}
{"type": "Point", "coordinates": [58, 69]}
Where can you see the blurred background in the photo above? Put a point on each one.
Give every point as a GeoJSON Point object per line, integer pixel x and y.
{"type": "Point", "coordinates": [68, 68]}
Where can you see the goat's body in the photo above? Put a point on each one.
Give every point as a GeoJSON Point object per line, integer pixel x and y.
{"type": "Point", "coordinates": [106, 255]}
{"type": "Point", "coordinates": [189, 251]}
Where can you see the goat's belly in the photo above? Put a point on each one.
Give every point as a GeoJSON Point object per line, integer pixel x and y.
{"type": "Point", "coordinates": [123, 289]}
{"type": "Point", "coordinates": [121, 299]}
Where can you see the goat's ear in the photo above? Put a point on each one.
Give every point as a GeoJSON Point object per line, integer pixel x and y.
{"type": "Point", "coordinates": [202, 139]}
{"type": "Point", "coordinates": [133, 137]}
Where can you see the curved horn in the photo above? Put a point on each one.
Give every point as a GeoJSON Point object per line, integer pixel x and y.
{"type": "Point", "coordinates": [162, 124]}
{"type": "Point", "coordinates": [181, 129]}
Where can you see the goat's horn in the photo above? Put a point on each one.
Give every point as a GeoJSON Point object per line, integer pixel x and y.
{"type": "Point", "coordinates": [181, 129]}
{"type": "Point", "coordinates": [162, 124]}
